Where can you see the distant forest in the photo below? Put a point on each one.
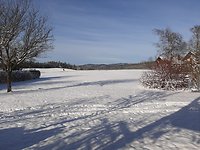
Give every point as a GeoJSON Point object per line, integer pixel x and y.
{"type": "Point", "coordinates": [54, 64]}
{"type": "Point", "coordinates": [50, 64]}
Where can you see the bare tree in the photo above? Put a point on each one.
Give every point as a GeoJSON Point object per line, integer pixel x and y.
{"type": "Point", "coordinates": [24, 34]}
{"type": "Point", "coordinates": [170, 46]}
{"type": "Point", "coordinates": [170, 43]}
{"type": "Point", "coordinates": [194, 45]}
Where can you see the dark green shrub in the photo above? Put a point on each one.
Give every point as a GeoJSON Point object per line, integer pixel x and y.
{"type": "Point", "coordinates": [20, 75]}
{"type": "Point", "coordinates": [35, 74]}
{"type": "Point", "coordinates": [2, 76]}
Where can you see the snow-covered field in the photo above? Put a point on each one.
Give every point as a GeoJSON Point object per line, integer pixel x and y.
{"type": "Point", "coordinates": [97, 110]}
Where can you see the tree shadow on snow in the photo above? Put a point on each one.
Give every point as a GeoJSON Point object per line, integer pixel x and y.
{"type": "Point", "coordinates": [119, 104]}
{"type": "Point", "coordinates": [96, 83]}
{"type": "Point", "coordinates": [40, 81]}
{"type": "Point", "coordinates": [116, 135]}
{"type": "Point", "coordinates": [146, 96]}
{"type": "Point", "coordinates": [102, 136]}
{"type": "Point", "coordinates": [105, 82]}
{"type": "Point", "coordinates": [105, 134]}
{"type": "Point", "coordinates": [187, 117]}
{"type": "Point", "coordinates": [19, 138]}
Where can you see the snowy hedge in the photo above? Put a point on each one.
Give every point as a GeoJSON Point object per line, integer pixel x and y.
{"type": "Point", "coordinates": [153, 79]}
{"type": "Point", "coordinates": [167, 76]}
{"type": "Point", "coordinates": [20, 75]}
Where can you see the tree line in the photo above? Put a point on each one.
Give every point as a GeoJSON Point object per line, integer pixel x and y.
{"type": "Point", "coordinates": [50, 64]}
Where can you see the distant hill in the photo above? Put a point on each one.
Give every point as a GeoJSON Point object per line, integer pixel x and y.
{"type": "Point", "coordinates": [142, 65]}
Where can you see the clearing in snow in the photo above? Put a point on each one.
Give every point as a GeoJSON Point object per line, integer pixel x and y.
{"type": "Point", "coordinates": [97, 110]}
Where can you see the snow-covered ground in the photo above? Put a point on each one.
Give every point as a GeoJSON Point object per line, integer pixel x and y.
{"type": "Point", "coordinates": [97, 110]}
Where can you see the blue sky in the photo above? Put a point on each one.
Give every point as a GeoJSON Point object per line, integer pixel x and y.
{"type": "Point", "coordinates": [114, 31]}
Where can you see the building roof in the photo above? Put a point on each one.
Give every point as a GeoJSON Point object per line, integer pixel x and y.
{"type": "Point", "coordinates": [189, 55]}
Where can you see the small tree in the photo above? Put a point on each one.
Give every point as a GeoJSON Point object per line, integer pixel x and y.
{"type": "Point", "coordinates": [24, 34]}
{"type": "Point", "coordinates": [170, 46]}
{"type": "Point", "coordinates": [170, 43]}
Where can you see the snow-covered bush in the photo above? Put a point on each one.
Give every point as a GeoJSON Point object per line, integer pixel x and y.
{"type": "Point", "coordinates": [20, 75]}
{"type": "Point", "coordinates": [166, 76]}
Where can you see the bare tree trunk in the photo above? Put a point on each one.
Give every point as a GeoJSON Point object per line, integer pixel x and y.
{"type": "Point", "coordinates": [198, 79]}
{"type": "Point", "coordinates": [9, 80]}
